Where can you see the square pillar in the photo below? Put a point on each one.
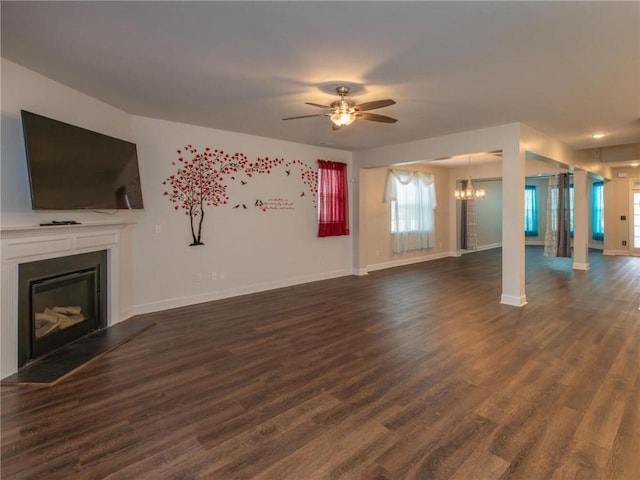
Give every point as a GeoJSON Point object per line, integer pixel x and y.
{"type": "Point", "coordinates": [580, 220]}
{"type": "Point", "coordinates": [513, 258]}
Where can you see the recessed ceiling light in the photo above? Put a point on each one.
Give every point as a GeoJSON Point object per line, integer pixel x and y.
{"type": "Point", "coordinates": [598, 135]}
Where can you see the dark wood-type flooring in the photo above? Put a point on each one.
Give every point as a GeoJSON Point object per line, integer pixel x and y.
{"type": "Point", "coordinates": [415, 372]}
{"type": "Point", "coordinates": [55, 366]}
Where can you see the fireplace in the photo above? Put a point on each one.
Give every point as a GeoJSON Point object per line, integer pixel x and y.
{"type": "Point", "coordinates": [31, 243]}
{"type": "Point", "coordinates": [60, 300]}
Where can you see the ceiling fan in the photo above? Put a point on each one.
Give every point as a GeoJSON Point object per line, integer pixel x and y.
{"type": "Point", "coordinates": [344, 112]}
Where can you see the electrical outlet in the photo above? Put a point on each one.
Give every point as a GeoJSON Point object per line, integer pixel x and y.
{"type": "Point", "coordinates": [624, 243]}
{"type": "Point", "coordinates": [221, 275]}
{"type": "Point", "coordinates": [198, 277]}
{"type": "Point", "coordinates": [214, 275]}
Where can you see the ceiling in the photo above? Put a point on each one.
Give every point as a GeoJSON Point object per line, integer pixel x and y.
{"type": "Point", "coordinates": [568, 69]}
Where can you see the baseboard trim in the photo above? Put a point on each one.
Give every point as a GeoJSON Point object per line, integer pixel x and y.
{"type": "Point", "coordinates": [580, 266]}
{"type": "Point", "coordinates": [407, 261]}
{"type": "Point", "coordinates": [126, 314]}
{"type": "Point", "coordinates": [514, 300]}
{"type": "Point", "coordinates": [233, 292]}
{"type": "Point", "coordinates": [615, 252]}
{"type": "Point", "coordinates": [481, 248]}
{"type": "Point", "coordinates": [538, 243]}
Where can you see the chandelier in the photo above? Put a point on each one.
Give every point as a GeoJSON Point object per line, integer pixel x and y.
{"type": "Point", "coordinates": [469, 192]}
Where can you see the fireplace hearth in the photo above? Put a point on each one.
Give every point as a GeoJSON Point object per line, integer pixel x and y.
{"type": "Point", "coordinates": [60, 300]}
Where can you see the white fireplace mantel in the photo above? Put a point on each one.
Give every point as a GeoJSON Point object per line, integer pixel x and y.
{"type": "Point", "coordinates": [32, 243]}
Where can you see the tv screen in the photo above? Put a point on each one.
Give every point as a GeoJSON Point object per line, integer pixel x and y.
{"type": "Point", "coordinates": [74, 168]}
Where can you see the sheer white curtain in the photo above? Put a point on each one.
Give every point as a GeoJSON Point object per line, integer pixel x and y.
{"type": "Point", "coordinates": [413, 199]}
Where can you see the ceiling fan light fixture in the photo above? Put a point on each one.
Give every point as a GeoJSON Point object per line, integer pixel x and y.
{"type": "Point", "coordinates": [344, 112]}
{"type": "Point", "coordinates": [342, 119]}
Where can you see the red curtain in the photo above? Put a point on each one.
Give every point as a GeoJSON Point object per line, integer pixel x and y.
{"type": "Point", "coordinates": [333, 207]}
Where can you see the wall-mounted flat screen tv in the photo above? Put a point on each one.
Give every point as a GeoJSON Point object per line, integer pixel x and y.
{"type": "Point", "coordinates": [74, 168]}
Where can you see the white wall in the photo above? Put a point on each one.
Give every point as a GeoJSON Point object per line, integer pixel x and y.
{"type": "Point", "coordinates": [253, 250]}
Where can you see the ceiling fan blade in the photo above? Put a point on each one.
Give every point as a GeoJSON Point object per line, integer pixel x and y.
{"type": "Point", "coordinates": [375, 104]}
{"type": "Point", "coordinates": [377, 118]}
{"type": "Point", "coordinates": [318, 105]}
{"type": "Point", "coordinates": [305, 116]}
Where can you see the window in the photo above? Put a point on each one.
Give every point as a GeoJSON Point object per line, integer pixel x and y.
{"type": "Point", "coordinates": [530, 211]}
{"type": "Point", "coordinates": [571, 210]}
{"type": "Point", "coordinates": [333, 206]}
{"type": "Point", "coordinates": [597, 210]}
{"type": "Point", "coordinates": [553, 197]}
{"type": "Point", "coordinates": [413, 199]}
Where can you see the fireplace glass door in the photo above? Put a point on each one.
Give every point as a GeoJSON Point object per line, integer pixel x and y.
{"type": "Point", "coordinates": [63, 309]}
{"type": "Point", "coordinates": [60, 300]}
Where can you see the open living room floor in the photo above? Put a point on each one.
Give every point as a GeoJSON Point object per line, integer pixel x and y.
{"type": "Point", "coordinates": [412, 372]}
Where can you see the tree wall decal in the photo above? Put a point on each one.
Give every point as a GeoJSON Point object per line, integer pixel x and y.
{"type": "Point", "coordinates": [201, 181]}
{"type": "Point", "coordinates": [308, 175]}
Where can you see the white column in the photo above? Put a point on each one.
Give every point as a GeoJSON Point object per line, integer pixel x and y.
{"type": "Point", "coordinates": [513, 259]}
{"type": "Point", "coordinates": [580, 221]}
{"type": "Point", "coordinates": [454, 222]}
{"type": "Point", "coordinates": [359, 221]}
